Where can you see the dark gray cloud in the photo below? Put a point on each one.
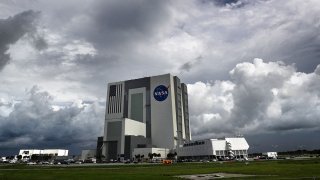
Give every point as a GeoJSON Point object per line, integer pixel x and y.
{"type": "Point", "coordinates": [221, 2]}
{"type": "Point", "coordinates": [12, 29]}
{"type": "Point", "coordinates": [114, 24]}
{"type": "Point", "coordinates": [34, 123]}
{"type": "Point", "coordinates": [38, 41]}
{"type": "Point", "coordinates": [228, 3]}
{"type": "Point", "coordinates": [251, 32]}
{"type": "Point", "coordinates": [190, 64]}
{"type": "Point", "coordinates": [299, 44]}
{"type": "Point", "coordinates": [116, 30]}
{"type": "Point", "coordinates": [83, 46]}
{"type": "Point", "coordinates": [263, 99]}
{"type": "Point", "coordinates": [283, 141]}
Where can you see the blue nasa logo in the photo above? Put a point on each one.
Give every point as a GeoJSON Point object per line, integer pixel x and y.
{"type": "Point", "coordinates": [160, 93]}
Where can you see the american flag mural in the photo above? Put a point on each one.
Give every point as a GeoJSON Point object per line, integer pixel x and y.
{"type": "Point", "coordinates": [115, 98]}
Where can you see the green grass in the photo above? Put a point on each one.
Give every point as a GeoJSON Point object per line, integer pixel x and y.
{"type": "Point", "coordinates": [282, 169]}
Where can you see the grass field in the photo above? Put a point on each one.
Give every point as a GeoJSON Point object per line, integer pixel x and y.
{"type": "Point", "coordinates": [282, 169]}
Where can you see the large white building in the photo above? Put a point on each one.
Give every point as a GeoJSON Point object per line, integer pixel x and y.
{"type": "Point", "coordinates": [150, 112]}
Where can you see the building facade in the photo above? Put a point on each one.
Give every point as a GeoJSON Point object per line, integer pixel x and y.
{"type": "Point", "coordinates": [48, 152]}
{"type": "Point", "coordinates": [222, 148]}
{"type": "Point", "coordinates": [150, 112]}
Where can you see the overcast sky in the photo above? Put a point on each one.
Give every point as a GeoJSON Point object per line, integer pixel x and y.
{"type": "Point", "coordinates": [252, 67]}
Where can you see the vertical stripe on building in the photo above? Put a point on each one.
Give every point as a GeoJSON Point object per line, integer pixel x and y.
{"type": "Point", "coordinates": [115, 99]}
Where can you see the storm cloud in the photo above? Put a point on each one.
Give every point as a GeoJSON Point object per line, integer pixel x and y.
{"type": "Point", "coordinates": [37, 122]}
{"type": "Point", "coordinates": [72, 50]}
{"type": "Point", "coordinates": [121, 22]}
{"type": "Point", "coordinates": [12, 29]}
{"type": "Point", "coordinates": [261, 97]}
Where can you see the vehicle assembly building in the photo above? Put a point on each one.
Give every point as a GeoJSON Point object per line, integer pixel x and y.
{"type": "Point", "coordinates": [151, 113]}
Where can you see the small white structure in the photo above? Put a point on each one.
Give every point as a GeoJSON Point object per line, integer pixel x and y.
{"type": "Point", "coordinates": [87, 154]}
{"type": "Point", "coordinates": [270, 155]}
{"type": "Point", "coordinates": [27, 153]}
{"type": "Point", "coordinates": [233, 147]}
{"type": "Point", "coordinates": [145, 152]}
{"type": "Point", "coordinates": [3, 159]}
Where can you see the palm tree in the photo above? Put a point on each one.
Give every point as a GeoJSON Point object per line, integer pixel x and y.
{"type": "Point", "coordinates": [150, 156]}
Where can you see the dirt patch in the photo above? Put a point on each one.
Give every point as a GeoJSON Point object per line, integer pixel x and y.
{"type": "Point", "coordinates": [213, 176]}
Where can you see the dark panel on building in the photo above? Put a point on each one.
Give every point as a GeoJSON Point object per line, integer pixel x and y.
{"type": "Point", "coordinates": [185, 110]}
{"type": "Point", "coordinates": [112, 150]}
{"type": "Point", "coordinates": [148, 113]}
{"type": "Point", "coordinates": [114, 129]}
{"type": "Point", "coordinates": [178, 102]}
{"type": "Point", "coordinates": [133, 84]}
{"type": "Point", "coordinates": [137, 107]}
{"type": "Point", "coordinates": [141, 145]}
{"type": "Point", "coordinates": [127, 147]}
{"type": "Point", "coordinates": [112, 90]}
{"type": "Point", "coordinates": [99, 148]}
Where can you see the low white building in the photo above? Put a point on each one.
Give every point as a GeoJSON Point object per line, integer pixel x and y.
{"type": "Point", "coordinates": [270, 155]}
{"type": "Point", "coordinates": [145, 152]}
{"type": "Point", "coordinates": [27, 153]}
{"type": "Point", "coordinates": [233, 147]}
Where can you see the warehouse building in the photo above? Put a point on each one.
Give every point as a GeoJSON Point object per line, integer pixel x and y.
{"type": "Point", "coordinates": [223, 148]}
{"type": "Point", "coordinates": [27, 153]}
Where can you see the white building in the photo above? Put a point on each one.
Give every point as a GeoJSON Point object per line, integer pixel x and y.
{"type": "Point", "coordinates": [270, 155]}
{"type": "Point", "coordinates": [89, 153]}
{"type": "Point", "coordinates": [150, 112]}
{"type": "Point", "coordinates": [27, 153]}
{"type": "Point", "coordinates": [233, 147]}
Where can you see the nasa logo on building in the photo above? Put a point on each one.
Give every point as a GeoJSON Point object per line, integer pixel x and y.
{"type": "Point", "coordinates": [160, 93]}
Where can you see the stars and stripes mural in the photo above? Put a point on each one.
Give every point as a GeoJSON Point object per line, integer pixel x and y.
{"type": "Point", "coordinates": [115, 98]}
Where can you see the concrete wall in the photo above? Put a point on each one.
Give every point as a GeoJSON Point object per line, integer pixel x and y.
{"type": "Point", "coordinates": [238, 143]}
{"type": "Point", "coordinates": [134, 128]}
{"type": "Point", "coordinates": [203, 148]}
{"type": "Point", "coordinates": [218, 145]}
